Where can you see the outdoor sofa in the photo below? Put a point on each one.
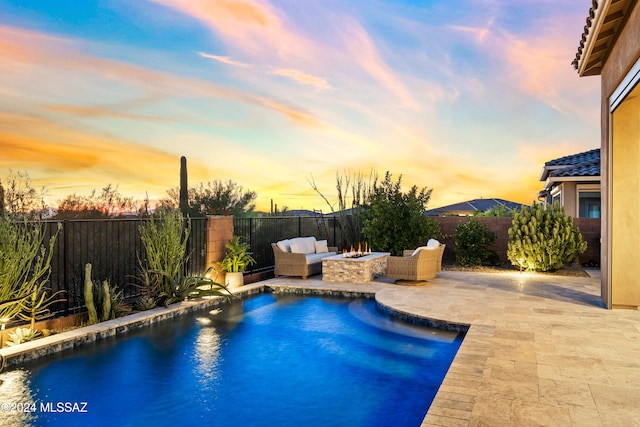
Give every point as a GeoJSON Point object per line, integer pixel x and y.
{"type": "Point", "coordinates": [422, 263]}
{"type": "Point", "coordinates": [300, 256]}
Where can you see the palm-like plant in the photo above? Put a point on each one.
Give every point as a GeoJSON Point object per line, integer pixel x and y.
{"type": "Point", "coordinates": [238, 257]}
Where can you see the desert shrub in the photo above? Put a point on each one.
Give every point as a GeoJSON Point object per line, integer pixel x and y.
{"type": "Point", "coordinates": [25, 266]}
{"type": "Point", "coordinates": [471, 241]}
{"type": "Point", "coordinates": [165, 243]}
{"type": "Point", "coordinates": [163, 272]}
{"type": "Point", "coordinates": [103, 300]}
{"type": "Point", "coordinates": [543, 238]}
{"type": "Point", "coordinates": [394, 221]}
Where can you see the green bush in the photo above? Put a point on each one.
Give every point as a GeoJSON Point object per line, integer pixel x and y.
{"type": "Point", "coordinates": [471, 241]}
{"type": "Point", "coordinates": [163, 273]}
{"type": "Point", "coordinates": [543, 238]}
{"type": "Point", "coordinates": [165, 243]}
{"type": "Point", "coordinates": [103, 300]}
{"type": "Point", "coordinates": [394, 221]}
{"type": "Point", "coordinates": [25, 266]}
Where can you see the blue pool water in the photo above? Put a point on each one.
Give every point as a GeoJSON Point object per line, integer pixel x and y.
{"type": "Point", "coordinates": [272, 360]}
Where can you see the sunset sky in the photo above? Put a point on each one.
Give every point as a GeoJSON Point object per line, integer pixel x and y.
{"type": "Point", "coordinates": [468, 97]}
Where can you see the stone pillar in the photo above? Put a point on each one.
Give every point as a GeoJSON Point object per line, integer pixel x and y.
{"type": "Point", "coordinates": [219, 232]}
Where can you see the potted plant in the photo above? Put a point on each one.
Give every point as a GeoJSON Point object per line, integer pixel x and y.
{"type": "Point", "coordinates": [235, 262]}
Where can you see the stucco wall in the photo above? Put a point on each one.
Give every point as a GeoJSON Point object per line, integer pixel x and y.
{"type": "Point", "coordinates": [589, 227]}
{"type": "Point", "coordinates": [622, 57]}
{"type": "Point", "coordinates": [219, 232]}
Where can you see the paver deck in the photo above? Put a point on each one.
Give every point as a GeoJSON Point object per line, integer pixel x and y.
{"type": "Point", "coordinates": [541, 350]}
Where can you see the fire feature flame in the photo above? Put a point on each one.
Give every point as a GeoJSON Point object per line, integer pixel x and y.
{"type": "Point", "coordinates": [363, 249]}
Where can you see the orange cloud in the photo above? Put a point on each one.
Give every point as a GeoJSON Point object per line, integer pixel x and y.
{"type": "Point", "coordinates": [44, 149]}
{"type": "Point", "coordinates": [257, 27]}
{"type": "Point", "coordinates": [103, 111]}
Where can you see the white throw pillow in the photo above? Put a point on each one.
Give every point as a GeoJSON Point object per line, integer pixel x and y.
{"type": "Point", "coordinates": [433, 244]}
{"type": "Point", "coordinates": [321, 246]}
{"type": "Point", "coordinates": [310, 245]}
{"type": "Point", "coordinates": [284, 245]}
{"type": "Point", "coordinates": [419, 248]}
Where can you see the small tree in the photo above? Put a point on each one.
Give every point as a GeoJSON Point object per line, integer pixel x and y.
{"type": "Point", "coordinates": [543, 238]}
{"type": "Point", "coordinates": [394, 221]}
{"type": "Point", "coordinates": [109, 203]}
{"type": "Point", "coordinates": [214, 198]}
{"type": "Point", "coordinates": [471, 241]}
{"type": "Point", "coordinates": [20, 199]}
{"type": "Point", "coordinates": [353, 193]}
{"type": "Point", "coordinates": [497, 210]}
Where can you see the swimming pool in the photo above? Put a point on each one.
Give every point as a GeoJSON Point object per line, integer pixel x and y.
{"type": "Point", "coordinates": [272, 360]}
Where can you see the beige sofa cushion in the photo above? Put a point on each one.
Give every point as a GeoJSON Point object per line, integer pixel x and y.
{"type": "Point", "coordinates": [284, 245]}
{"type": "Point", "coordinates": [314, 258]}
{"type": "Point", "coordinates": [303, 245]}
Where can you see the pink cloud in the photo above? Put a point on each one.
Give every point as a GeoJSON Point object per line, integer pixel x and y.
{"type": "Point", "coordinates": [224, 60]}
{"type": "Point", "coordinates": [27, 54]}
{"type": "Point", "coordinates": [303, 78]}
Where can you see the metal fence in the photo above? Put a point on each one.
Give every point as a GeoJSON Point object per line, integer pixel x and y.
{"type": "Point", "coordinates": [113, 247]}
{"type": "Point", "coordinates": [261, 232]}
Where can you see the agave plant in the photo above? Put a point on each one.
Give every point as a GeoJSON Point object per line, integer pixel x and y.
{"type": "Point", "coordinates": [185, 287]}
{"type": "Point", "coordinates": [21, 335]}
{"type": "Point", "coordinates": [146, 302]}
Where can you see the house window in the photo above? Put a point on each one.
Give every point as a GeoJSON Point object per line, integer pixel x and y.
{"type": "Point", "coordinates": [588, 203]}
{"type": "Point", "coordinates": [556, 196]}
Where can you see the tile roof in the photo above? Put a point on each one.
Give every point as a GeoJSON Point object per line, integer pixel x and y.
{"type": "Point", "coordinates": [475, 205]}
{"type": "Point", "coordinates": [604, 21]}
{"type": "Point", "coordinates": [585, 169]}
{"type": "Point", "coordinates": [576, 159]}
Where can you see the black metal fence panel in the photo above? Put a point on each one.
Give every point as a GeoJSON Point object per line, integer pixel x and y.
{"type": "Point", "coordinates": [261, 232]}
{"type": "Point", "coordinates": [113, 248]}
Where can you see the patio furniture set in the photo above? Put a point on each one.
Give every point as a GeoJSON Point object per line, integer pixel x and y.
{"type": "Point", "coordinates": [306, 256]}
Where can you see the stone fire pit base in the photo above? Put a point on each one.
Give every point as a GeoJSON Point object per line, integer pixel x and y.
{"type": "Point", "coordinates": [338, 268]}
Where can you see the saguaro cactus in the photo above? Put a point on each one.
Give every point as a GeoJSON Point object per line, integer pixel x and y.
{"type": "Point", "coordinates": [1, 200]}
{"type": "Point", "coordinates": [88, 295]}
{"type": "Point", "coordinates": [106, 302]}
{"type": "Point", "coordinates": [184, 189]}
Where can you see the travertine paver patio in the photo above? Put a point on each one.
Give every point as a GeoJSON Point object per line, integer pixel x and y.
{"type": "Point", "coordinates": [541, 349]}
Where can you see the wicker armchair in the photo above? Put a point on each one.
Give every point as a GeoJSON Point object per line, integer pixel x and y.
{"type": "Point", "coordinates": [422, 266]}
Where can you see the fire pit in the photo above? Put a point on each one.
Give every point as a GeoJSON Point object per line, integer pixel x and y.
{"type": "Point", "coordinates": [362, 251]}
{"type": "Point", "coordinates": [347, 268]}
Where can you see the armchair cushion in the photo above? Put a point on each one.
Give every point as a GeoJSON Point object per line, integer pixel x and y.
{"type": "Point", "coordinates": [418, 265]}
{"type": "Point", "coordinates": [431, 244]}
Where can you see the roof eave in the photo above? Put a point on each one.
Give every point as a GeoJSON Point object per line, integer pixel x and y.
{"type": "Point", "coordinates": [589, 38]}
{"type": "Point", "coordinates": [557, 179]}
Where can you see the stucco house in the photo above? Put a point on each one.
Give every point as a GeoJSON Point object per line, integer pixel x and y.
{"type": "Point", "coordinates": [610, 48]}
{"type": "Point", "coordinates": [574, 182]}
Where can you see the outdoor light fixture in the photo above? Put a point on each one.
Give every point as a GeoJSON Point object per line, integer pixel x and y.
{"type": "Point", "coordinates": [4, 321]}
